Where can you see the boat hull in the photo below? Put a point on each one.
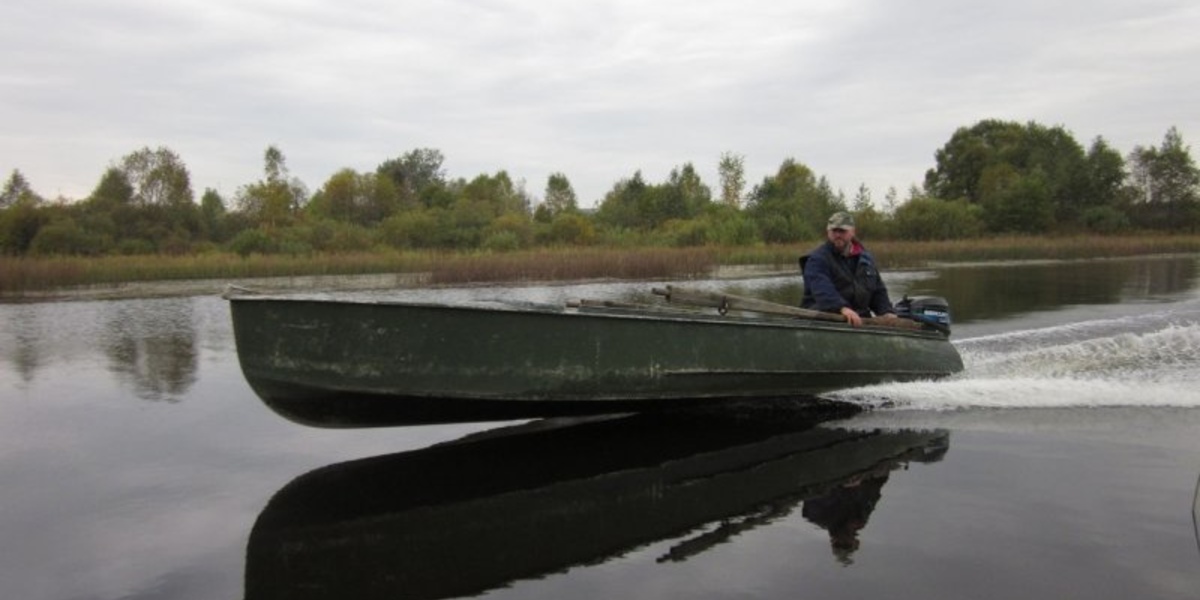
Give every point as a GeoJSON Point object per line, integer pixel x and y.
{"type": "Point", "coordinates": [324, 360]}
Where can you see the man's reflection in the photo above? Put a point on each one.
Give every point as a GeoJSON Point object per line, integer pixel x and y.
{"type": "Point", "coordinates": [845, 510]}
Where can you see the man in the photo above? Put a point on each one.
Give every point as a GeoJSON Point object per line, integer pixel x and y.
{"type": "Point", "coordinates": [840, 276]}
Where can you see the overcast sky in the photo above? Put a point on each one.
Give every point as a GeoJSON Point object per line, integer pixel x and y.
{"type": "Point", "coordinates": [861, 91]}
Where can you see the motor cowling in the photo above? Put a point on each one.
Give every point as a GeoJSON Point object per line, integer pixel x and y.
{"type": "Point", "coordinates": [931, 311]}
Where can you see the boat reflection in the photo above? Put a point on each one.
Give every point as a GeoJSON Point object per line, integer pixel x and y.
{"type": "Point", "coordinates": [1196, 512]}
{"type": "Point", "coordinates": [478, 513]}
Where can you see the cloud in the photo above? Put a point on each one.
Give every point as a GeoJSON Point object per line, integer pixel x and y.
{"type": "Point", "coordinates": [863, 92]}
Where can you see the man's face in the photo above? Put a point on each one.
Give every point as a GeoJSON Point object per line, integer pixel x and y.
{"type": "Point", "coordinates": [840, 237]}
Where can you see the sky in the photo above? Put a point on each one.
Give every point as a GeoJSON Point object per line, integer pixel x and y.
{"type": "Point", "coordinates": [863, 92]}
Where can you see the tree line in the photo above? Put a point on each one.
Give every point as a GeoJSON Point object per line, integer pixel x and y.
{"type": "Point", "coordinates": [995, 177]}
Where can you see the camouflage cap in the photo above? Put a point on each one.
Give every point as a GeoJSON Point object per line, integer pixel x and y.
{"type": "Point", "coordinates": [841, 220]}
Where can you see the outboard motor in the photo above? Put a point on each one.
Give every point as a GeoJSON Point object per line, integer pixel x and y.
{"type": "Point", "coordinates": [933, 312]}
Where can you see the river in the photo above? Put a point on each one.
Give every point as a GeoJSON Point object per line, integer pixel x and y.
{"type": "Point", "coordinates": [1063, 462]}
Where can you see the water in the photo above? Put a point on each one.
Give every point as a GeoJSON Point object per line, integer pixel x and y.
{"type": "Point", "coordinates": [1063, 462]}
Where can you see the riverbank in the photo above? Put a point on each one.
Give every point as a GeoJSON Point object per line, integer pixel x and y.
{"type": "Point", "coordinates": [56, 278]}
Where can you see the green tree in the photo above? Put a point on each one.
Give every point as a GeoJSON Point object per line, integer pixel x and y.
{"type": "Point", "coordinates": [158, 177]}
{"type": "Point", "coordinates": [20, 223]}
{"type": "Point", "coordinates": [1106, 175]}
{"type": "Point", "coordinates": [164, 209]}
{"type": "Point", "coordinates": [891, 201]}
{"type": "Point", "coordinates": [1030, 157]}
{"type": "Point", "coordinates": [560, 198]}
{"type": "Point", "coordinates": [362, 198]}
{"type": "Point", "coordinates": [16, 189]}
{"type": "Point", "coordinates": [213, 216]}
{"type": "Point", "coordinates": [622, 206]}
{"type": "Point", "coordinates": [792, 205]}
{"type": "Point", "coordinates": [495, 195]}
{"type": "Point", "coordinates": [634, 204]}
{"type": "Point", "coordinates": [278, 198]}
{"type": "Point", "coordinates": [417, 175]}
{"type": "Point", "coordinates": [683, 196]}
{"type": "Point", "coordinates": [731, 169]}
{"type": "Point", "coordinates": [1015, 202]}
{"type": "Point", "coordinates": [113, 190]}
{"type": "Point", "coordinates": [1167, 184]}
{"type": "Point", "coordinates": [110, 212]}
{"type": "Point", "coordinates": [862, 198]}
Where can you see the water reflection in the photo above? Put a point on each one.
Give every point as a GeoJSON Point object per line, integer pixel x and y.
{"type": "Point", "coordinates": [1002, 290]}
{"type": "Point", "coordinates": [154, 351]}
{"type": "Point", "coordinates": [150, 345]}
{"type": "Point", "coordinates": [25, 354]}
{"type": "Point", "coordinates": [476, 514]}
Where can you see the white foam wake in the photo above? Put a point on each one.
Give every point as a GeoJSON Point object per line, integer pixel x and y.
{"type": "Point", "coordinates": [1094, 364]}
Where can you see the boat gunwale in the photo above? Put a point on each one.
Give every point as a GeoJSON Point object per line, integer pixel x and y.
{"type": "Point", "coordinates": [650, 312]}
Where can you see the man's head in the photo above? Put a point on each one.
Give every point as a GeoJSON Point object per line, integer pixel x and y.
{"type": "Point", "coordinates": [840, 230]}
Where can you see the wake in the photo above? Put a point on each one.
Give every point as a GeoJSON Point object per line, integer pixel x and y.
{"type": "Point", "coordinates": [1143, 360]}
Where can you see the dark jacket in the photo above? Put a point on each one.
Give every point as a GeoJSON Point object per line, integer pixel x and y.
{"type": "Point", "coordinates": [832, 281]}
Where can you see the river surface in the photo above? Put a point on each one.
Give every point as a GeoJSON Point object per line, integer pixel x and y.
{"type": "Point", "coordinates": [135, 462]}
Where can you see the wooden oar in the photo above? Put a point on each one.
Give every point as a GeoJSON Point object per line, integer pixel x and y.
{"type": "Point", "coordinates": [727, 302]}
{"type": "Point", "coordinates": [589, 303]}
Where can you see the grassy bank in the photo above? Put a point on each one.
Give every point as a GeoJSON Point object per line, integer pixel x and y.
{"type": "Point", "coordinates": [907, 254]}
{"type": "Point", "coordinates": [19, 275]}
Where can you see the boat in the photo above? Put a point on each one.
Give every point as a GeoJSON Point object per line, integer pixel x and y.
{"type": "Point", "coordinates": [527, 501]}
{"type": "Point", "coordinates": [345, 362]}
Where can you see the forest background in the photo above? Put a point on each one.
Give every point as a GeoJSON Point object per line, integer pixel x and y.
{"type": "Point", "coordinates": [992, 180]}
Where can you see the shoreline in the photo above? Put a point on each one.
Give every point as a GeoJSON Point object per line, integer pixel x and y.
{"type": "Point", "coordinates": [387, 281]}
{"type": "Point", "coordinates": [310, 283]}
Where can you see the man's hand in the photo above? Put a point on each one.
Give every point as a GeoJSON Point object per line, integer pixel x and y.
{"type": "Point", "coordinates": [851, 316]}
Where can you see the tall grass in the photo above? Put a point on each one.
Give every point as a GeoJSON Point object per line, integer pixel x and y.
{"type": "Point", "coordinates": [28, 274]}
{"type": "Point", "coordinates": [910, 254]}
{"type": "Point", "coordinates": [575, 263]}
{"type": "Point", "coordinates": [18, 275]}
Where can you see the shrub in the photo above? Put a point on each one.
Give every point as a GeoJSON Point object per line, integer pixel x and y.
{"type": "Point", "coordinates": [64, 237]}
{"type": "Point", "coordinates": [1105, 220]}
{"type": "Point", "coordinates": [416, 229]}
{"type": "Point", "coordinates": [518, 225]}
{"type": "Point", "coordinates": [252, 241]}
{"type": "Point", "coordinates": [569, 229]}
{"type": "Point", "coordinates": [933, 219]}
{"type": "Point", "coordinates": [729, 227]}
{"type": "Point", "coordinates": [135, 246]}
{"type": "Point", "coordinates": [501, 241]}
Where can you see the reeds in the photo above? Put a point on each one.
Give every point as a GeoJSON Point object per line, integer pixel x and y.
{"type": "Point", "coordinates": [575, 264]}
{"type": "Point", "coordinates": [895, 254]}
{"type": "Point", "coordinates": [18, 275]}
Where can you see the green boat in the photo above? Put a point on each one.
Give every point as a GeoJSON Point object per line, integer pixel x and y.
{"type": "Point", "coordinates": [353, 363]}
